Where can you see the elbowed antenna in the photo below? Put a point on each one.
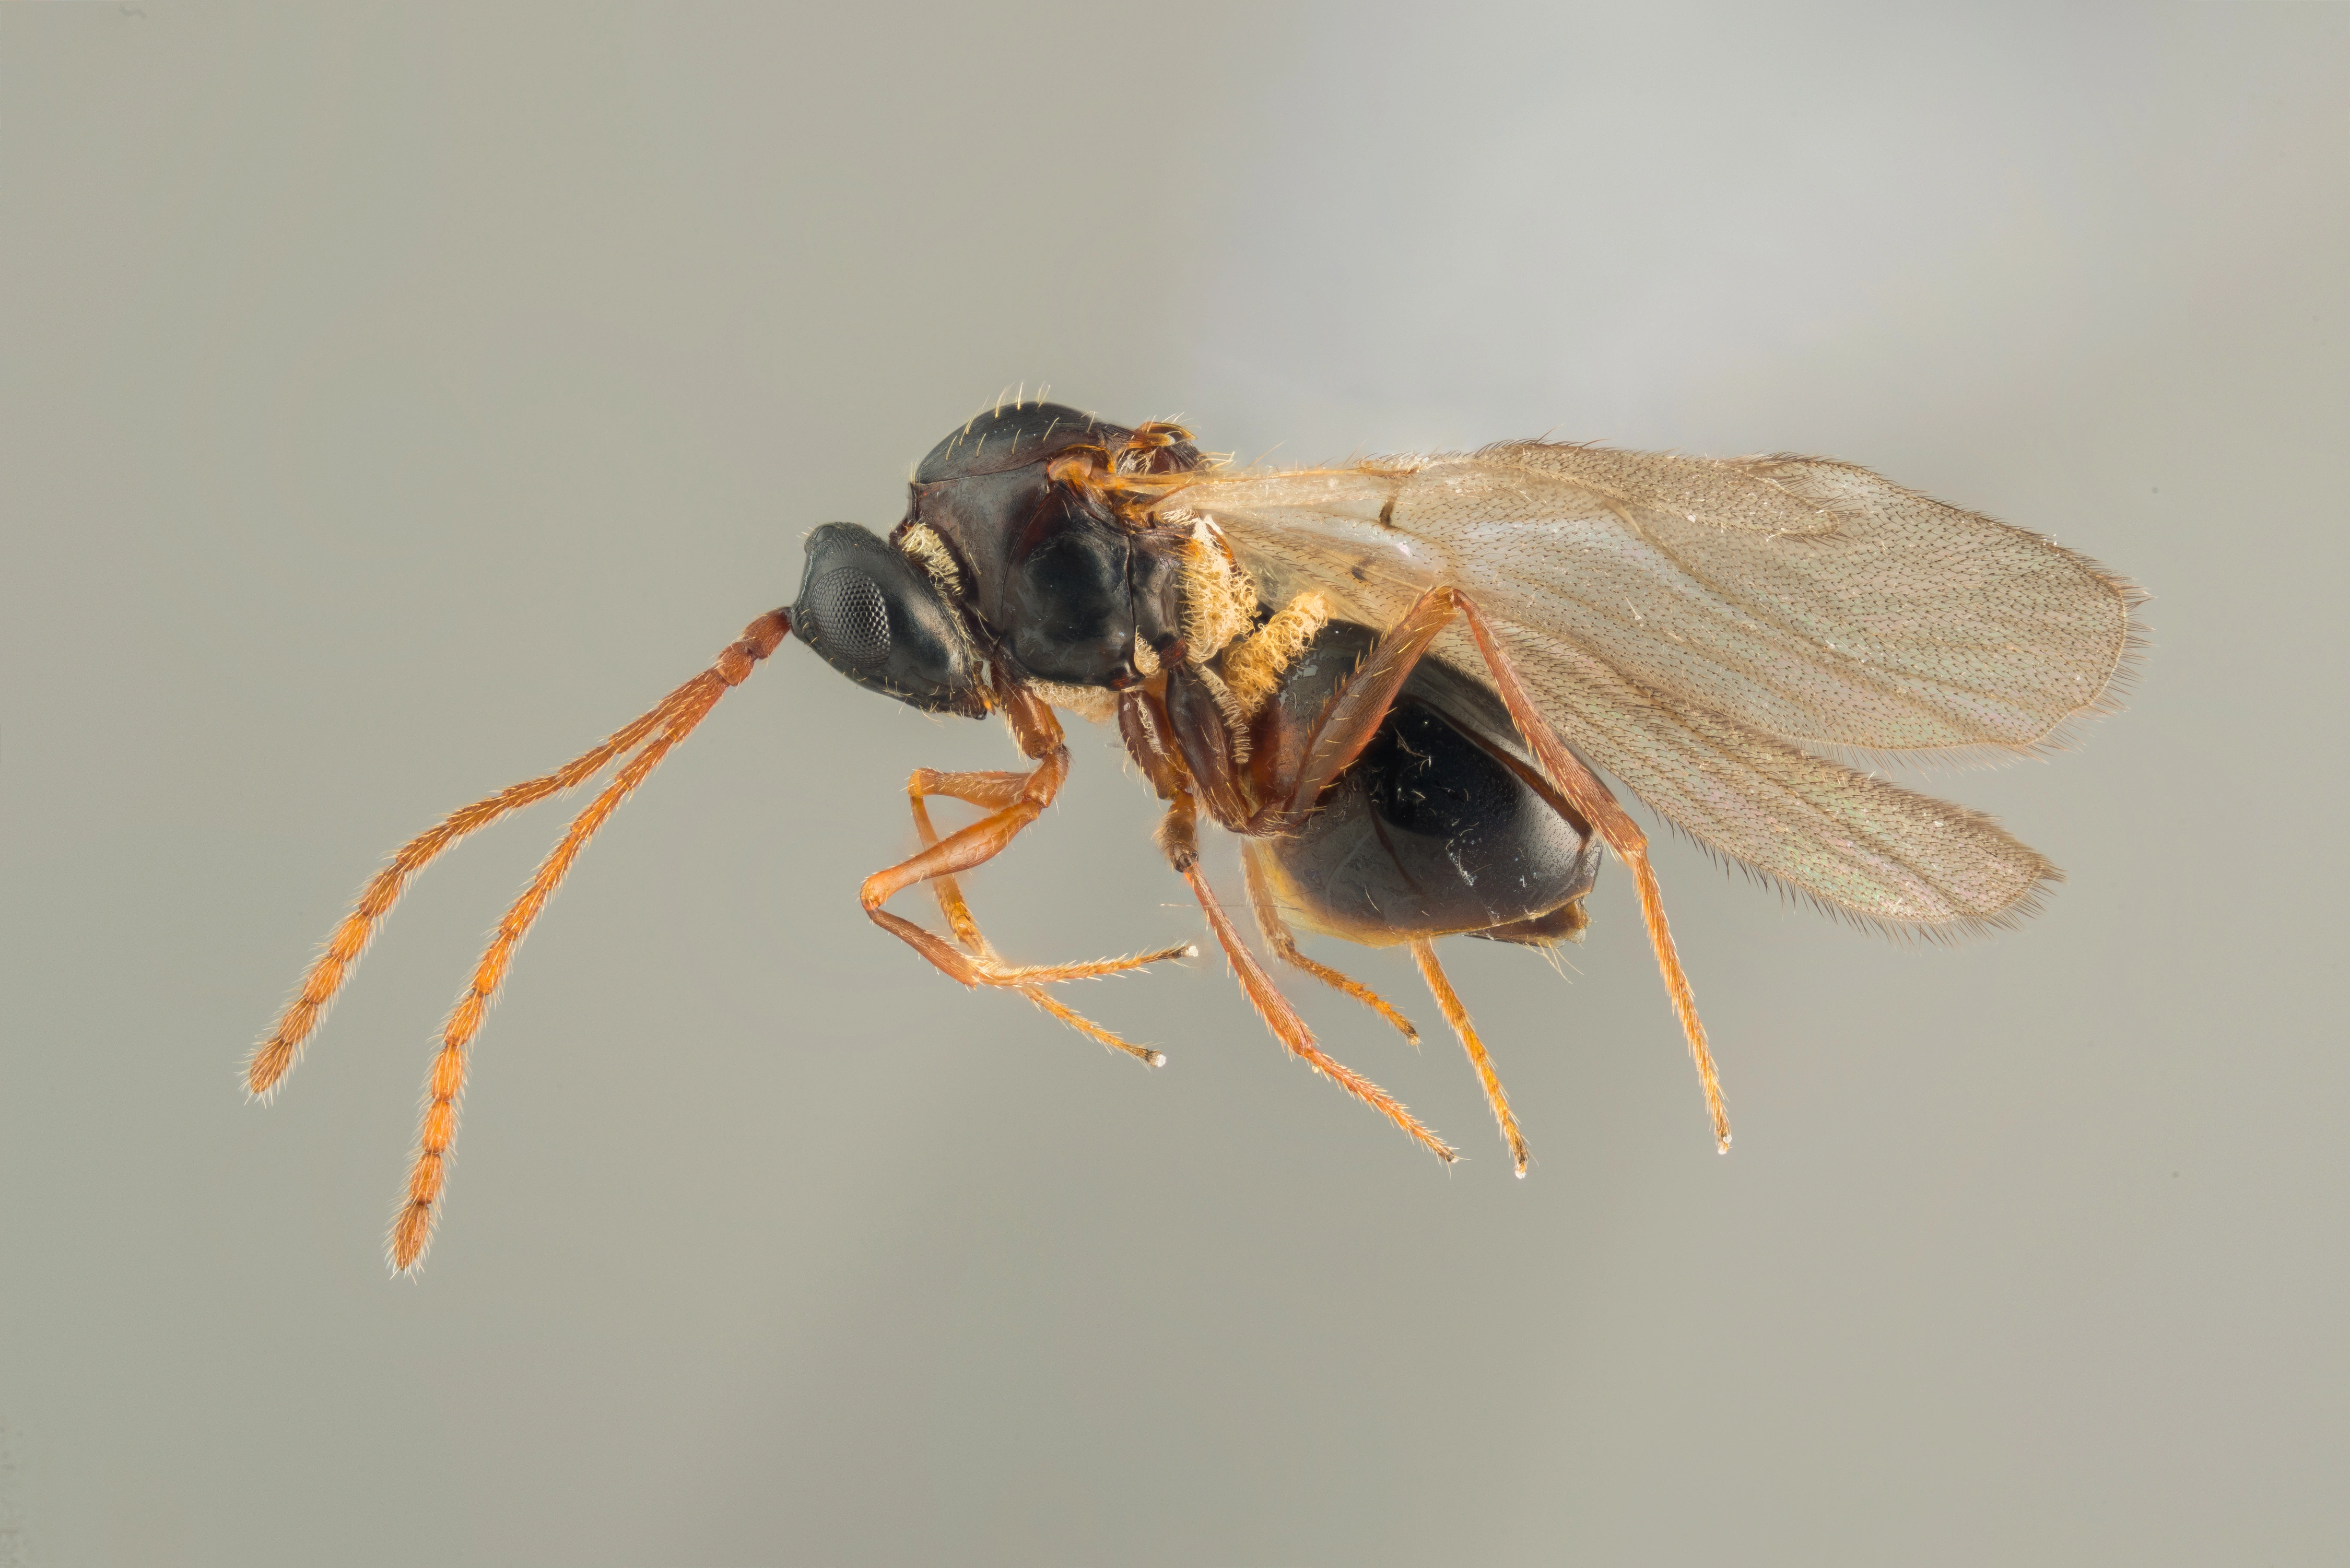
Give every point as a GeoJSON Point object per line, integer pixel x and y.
{"type": "Point", "coordinates": [669, 722]}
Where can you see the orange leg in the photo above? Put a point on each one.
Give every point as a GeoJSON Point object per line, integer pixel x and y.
{"type": "Point", "coordinates": [990, 789]}
{"type": "Point", "coordinates": [1597, 805]}
{"type": "Point", "coordinates": [1447, 1000]}
{"type": "Point", "coordinates": [1276, 934]}
{"type": "Point", "coordinates": [1024, 797]}
{"type": "Point", "coordinates": [960, 920]}
{"type": "Point", "coordinates": [1354, 715]}
{"type": "Point", "coordinates": [1179, 837]}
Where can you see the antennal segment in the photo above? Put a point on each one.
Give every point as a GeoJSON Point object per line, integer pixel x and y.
{"type": "Point", "coordinates": [669, 722]}
{"type": "Point", "coordinates": [275, 1057]}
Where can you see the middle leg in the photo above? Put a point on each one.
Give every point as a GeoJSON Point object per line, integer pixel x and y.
{"type": "Point", "coordinates": [1179, 836]}
{"type": "Point", "coordinates": [1276, 934]}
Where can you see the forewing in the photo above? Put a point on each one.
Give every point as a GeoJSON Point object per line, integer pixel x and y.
{"type": "Point", "coordinates": [1680, 621]}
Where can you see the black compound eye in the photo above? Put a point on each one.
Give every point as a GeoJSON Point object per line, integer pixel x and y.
{"type": "Point", "coordinates": [850, 616]}
{"type": "Point", "coordinates": [878, 618]}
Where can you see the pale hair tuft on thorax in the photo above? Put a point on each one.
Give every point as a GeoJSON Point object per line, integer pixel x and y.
{"type": "Point", "coordinates": [930, 553]}
{"type": "Point", "coordinates": [1220, 600]}
{"type": "Point", "coordinates": [1254, 666]}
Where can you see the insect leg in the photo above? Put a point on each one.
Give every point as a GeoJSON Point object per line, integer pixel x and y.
{"type": "Point", "coordinates": [1179, 837]}
{"type": "Point", "coordinates": [1449, 1002]}
{"type": "Point", "coordinates": [1040, 738]}
{"type": "Point", "coordinates": [1594, 801]}
{"type": "Point", "coordinates": [1354, 716]}
{"type": "Point", "coordinates": [994, 790]}
{"type": "Point", "coordinates": [1276, 934]}
{"type": "Point", "coordinates": [958, 914]}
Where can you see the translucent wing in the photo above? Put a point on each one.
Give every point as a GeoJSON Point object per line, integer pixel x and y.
{"type": "Point", "coordinates": [1692, 625]}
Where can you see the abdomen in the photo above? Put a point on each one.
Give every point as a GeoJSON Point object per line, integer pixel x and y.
{"type": "Point", "coordinates": [1430, 832]}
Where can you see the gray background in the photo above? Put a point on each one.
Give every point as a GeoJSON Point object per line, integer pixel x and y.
{"type": "Point", "coordinates": [395, 401]}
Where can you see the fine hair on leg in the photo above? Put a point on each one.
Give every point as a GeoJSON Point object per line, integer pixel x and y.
{"type": "Point", "coordinates": [1592, 800]}
{"type": "Point", "coordinates": [1353, 716]}
{"type": "Point", "coordinates": [1179, 837]}
{"type": "Point", "coordinates": [966, 926]}
{"type": "Point", "coordinates": [1020, 799]}
{"type": "Point", "coordinates": [1278, 937]}
{"type": "Point", "coordinates": [1448, 1001]}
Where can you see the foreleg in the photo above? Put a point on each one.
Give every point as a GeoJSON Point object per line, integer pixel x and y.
{"type": "Point", "coordinates": [960, 920]}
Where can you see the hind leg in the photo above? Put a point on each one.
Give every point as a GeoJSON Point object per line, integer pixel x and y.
{"type": "Point", "coordinates": [1353, 717]}
{"type": "Point", "coordinates": [1448, 1001]}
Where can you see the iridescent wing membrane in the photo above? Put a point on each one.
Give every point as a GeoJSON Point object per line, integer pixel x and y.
{"type": "Point", "coordinates": [1704, 630]}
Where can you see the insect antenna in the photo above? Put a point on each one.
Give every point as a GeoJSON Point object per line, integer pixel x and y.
{"type": "Point", "coordinates": [660, 728]}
